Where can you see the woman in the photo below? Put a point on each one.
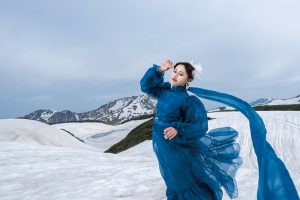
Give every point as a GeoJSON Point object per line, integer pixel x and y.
{"type": "Point", "coordinates": [196, 163]}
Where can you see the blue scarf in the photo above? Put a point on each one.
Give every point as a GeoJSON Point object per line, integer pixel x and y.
{"type": "Point", "coordinates": [274, 180]}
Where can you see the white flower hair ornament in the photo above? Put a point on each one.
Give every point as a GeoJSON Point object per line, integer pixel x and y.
{"type": "Point", "coordinates": [198, 69]}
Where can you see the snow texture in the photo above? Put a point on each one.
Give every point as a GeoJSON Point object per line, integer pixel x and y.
{"type": "Point", "coordinates": [40, 161]}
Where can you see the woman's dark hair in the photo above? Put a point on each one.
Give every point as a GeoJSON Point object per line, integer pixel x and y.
{"type": "Point", "coordinates": [188, 68]}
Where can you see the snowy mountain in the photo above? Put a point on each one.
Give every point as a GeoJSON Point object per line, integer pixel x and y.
{"type": "Point", "coordinates": [43, 170]}
{"type": "Point", "coordinates": [293, 100]}
{"type": "Point", "coordinates": [263, 102]}
{"type": "Point", "coordinates": [272, 101]}
{"type": "Point", "coordinates": [114, 112]}
{"type": "Point", "coordinates": [128, 108]}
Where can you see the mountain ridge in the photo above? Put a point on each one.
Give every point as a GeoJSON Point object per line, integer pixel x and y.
{"type": "Point", "coordinates": [112, 113]}
{"type": "Point", "coordinates": [129, 108]}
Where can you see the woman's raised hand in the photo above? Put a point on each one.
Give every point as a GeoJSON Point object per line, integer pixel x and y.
{"type": "Point", "coordinates": [166, 65]}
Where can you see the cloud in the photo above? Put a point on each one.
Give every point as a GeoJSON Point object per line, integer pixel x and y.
{"type": "Point", "coordinates": [41, 97]}
{"type": "Point", "coordinates": [294, 79]}
{"type": "Point", "coordinates": [64, 47]}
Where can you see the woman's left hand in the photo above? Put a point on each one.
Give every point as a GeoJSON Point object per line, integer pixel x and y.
{"type": "Point", "coordinates": [170, 133]}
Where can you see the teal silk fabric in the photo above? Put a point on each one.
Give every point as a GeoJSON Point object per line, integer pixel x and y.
{"type": "Point", "coordinates": [197, 163]}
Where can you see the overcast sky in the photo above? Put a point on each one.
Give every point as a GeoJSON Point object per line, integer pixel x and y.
{"type": "Point", "coordinates": [79, 55]}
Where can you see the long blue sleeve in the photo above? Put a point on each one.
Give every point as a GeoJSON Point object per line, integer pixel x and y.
{"type": "Point", "coordinates": [194, 124]}
{"type": "Point", "coordinates": [152, 82]}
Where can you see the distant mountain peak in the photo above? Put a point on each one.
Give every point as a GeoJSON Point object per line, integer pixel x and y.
{"type": "Point", "coordinates": [261, 101]}
{"type": "Point", "coordinates": [272, 101]}
{"type": "Point", "coordinates": [114, 112]}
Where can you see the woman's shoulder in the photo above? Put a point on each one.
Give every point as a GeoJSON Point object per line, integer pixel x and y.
{"type": "Point", "coordinates": [166, 85]}
{"type": "Point", "coordinates": [192, 100]}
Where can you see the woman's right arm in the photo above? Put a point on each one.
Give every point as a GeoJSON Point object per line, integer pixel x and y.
{"type": "Point", "coordinates": [153, 80]}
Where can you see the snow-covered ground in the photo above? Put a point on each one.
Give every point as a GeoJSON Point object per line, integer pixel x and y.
{"type": "Point", "coordinates": [99, 135]}
{"type": "Point", "coordinates": [35, 132]}
{"type": "Point", "coordinates": [39, 161]}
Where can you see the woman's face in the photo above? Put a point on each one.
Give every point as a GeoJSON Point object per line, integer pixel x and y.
{"type": "Point", "coordinates": [179, 76]}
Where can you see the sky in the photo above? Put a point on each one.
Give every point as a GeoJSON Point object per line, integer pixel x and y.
{"type": "Point", "coordinates": [79, 55]}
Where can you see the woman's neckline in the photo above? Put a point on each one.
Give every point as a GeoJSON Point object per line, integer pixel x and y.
{"type": "Point", "coordinates": [178, 88]}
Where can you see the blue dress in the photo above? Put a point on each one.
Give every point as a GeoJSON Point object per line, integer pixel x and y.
{"type": "Point", "coordinates": [195, 164]}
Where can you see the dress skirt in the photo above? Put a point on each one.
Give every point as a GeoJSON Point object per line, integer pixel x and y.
{"type": "Point", "coordinates": [197, 170]}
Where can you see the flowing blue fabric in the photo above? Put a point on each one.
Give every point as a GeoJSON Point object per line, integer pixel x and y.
{"type": "Point", "coordinates": [197, 163]}
{"type": "Point", "coordinates": [274, 179]}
